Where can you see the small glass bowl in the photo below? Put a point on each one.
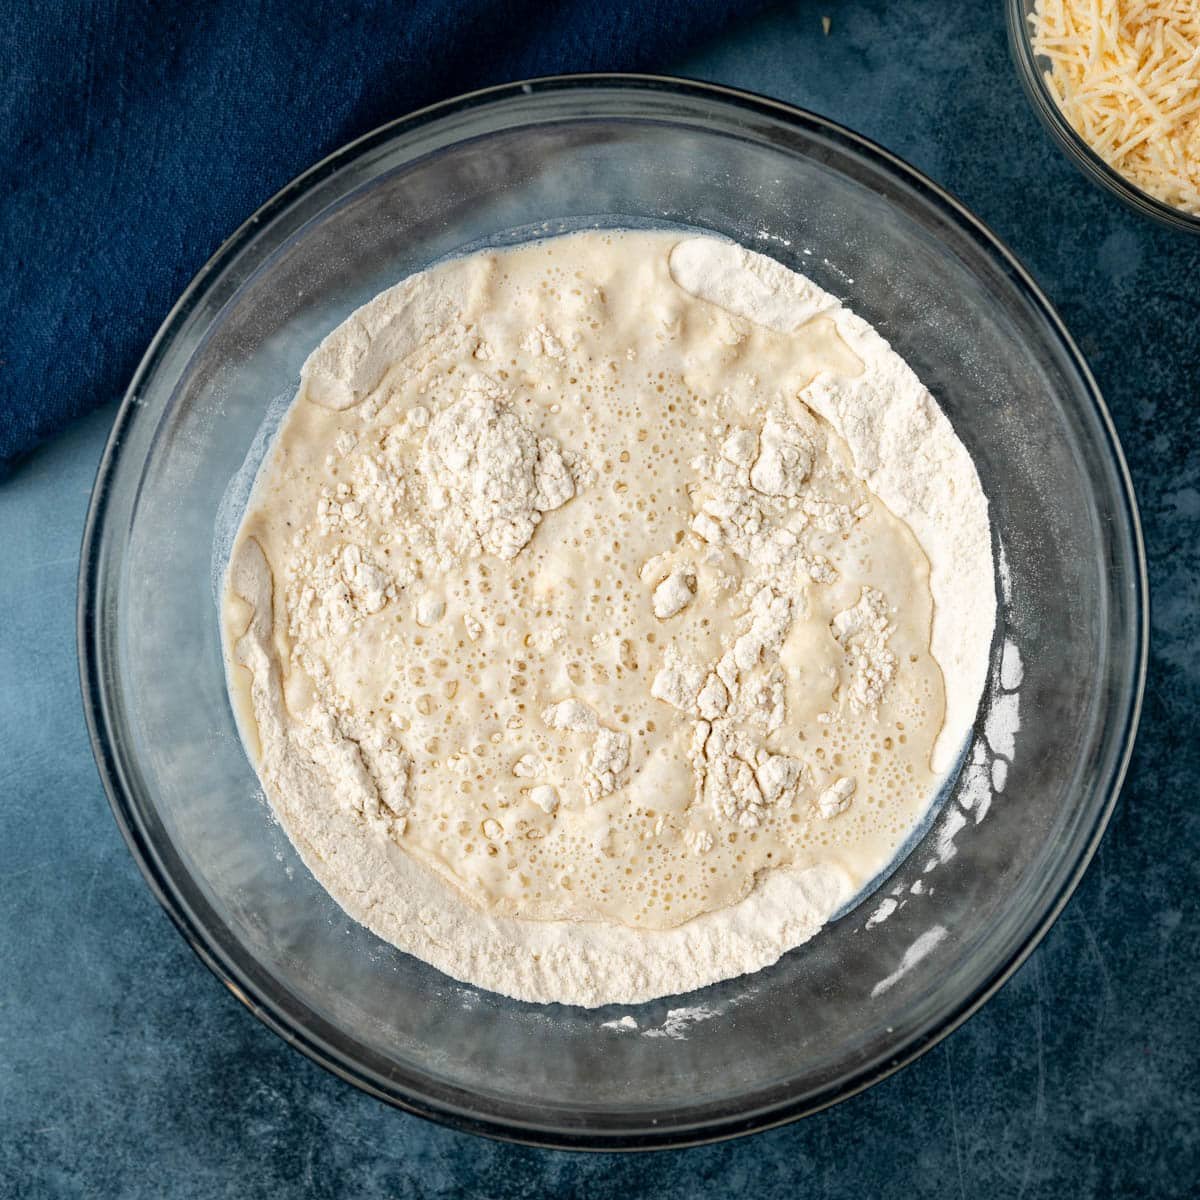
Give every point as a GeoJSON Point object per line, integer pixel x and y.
{"type": "Point", "coordinates": [1030, 68]}
{"type": "Point", "coordinates": [1020, 821]}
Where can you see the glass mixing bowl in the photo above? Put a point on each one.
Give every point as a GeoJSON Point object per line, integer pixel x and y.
{"type": "Point", "coordinates": [1031, 70]}
{"type": "Point", "coordinates": [1022, 819]}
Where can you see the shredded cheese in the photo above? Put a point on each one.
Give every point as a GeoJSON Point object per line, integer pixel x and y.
{"type": "Point", "coordinates": [1126, 74]}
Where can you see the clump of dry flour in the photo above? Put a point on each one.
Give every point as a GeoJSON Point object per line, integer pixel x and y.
{"type": "Point", "coordinates": [489, 477]}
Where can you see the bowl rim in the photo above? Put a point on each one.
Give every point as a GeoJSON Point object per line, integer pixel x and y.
{"type": "Point", "coordinates": [1069, 141]}
{"type": "Point", "coordinates": [274, 1015]}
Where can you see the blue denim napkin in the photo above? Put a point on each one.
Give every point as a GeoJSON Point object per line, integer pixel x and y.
{"type": "Point", "coordinates": [134, 137]}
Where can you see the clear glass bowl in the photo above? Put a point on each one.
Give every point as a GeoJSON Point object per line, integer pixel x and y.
{"type": "Point", "coordinates": [981, 887]}
{"type": "Point", "coordinates": [1030, 69]}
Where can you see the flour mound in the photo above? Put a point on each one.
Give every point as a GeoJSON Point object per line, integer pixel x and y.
{"type": "Point", "coordinates": [489, 477]}
{"type": "Point", "coordinates": [605, 614]}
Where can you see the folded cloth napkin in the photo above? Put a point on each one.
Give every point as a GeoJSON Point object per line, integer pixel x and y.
{"type": "Point", "coordinates": [135, 137]}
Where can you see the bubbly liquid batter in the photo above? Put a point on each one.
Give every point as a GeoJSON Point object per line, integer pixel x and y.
{"type": "Point", "coordinates": [709, 661]}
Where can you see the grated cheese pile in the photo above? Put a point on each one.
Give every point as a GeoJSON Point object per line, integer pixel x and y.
{"type": "Point", "coordinates": [1126, 74]}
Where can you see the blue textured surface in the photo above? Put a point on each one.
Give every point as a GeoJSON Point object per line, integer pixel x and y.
{"type": "Point", "coordinates": [127, 1070]}
{"type": "Point", "coordinates": [125, 164]}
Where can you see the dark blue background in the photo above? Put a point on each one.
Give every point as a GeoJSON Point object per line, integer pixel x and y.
{"type": "Point", "coordinates": [126, 1069]}
{"type": "Point", "coordinates": [135, 137]}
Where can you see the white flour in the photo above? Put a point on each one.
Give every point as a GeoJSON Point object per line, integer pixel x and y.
{"type": "Point", "coordinates": [489, 478]}
{"type": "Point", "coordinates": [537, 696]}
{"type": "Point", "coordinates": [904, 449]}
